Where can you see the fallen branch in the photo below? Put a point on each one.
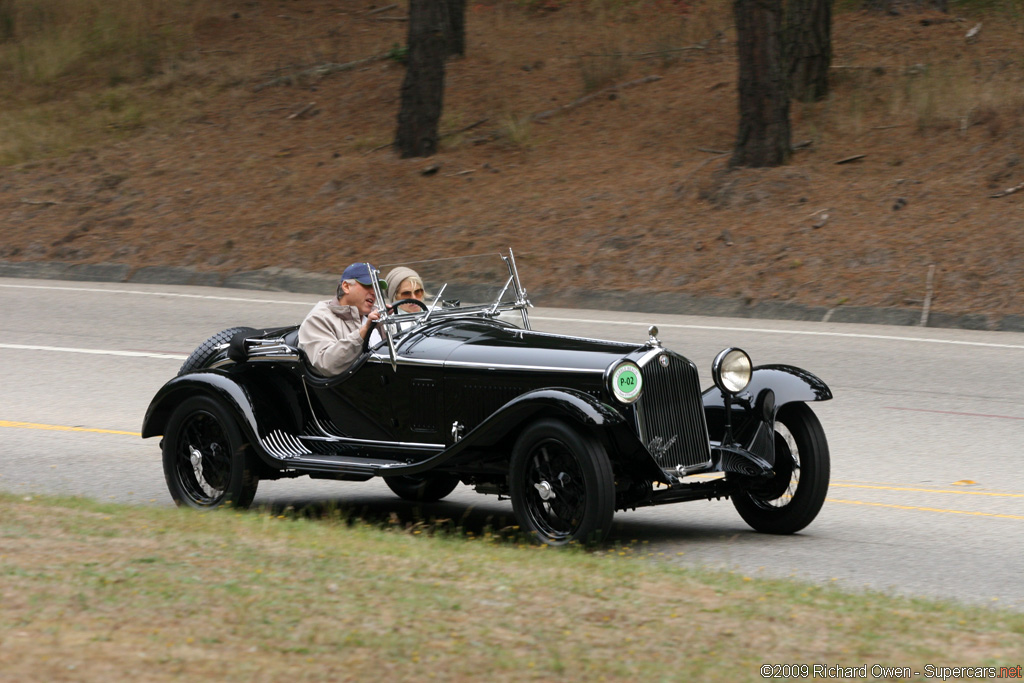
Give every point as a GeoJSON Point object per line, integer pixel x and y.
{"type": "Point", "coordinates": [855, 157]}
{"type": "Point", "coordinates": [446, 135]}
{"type": "Point", "coordinates": [681, 187]}
{"type": "Point", "coordinates": [385, 8]}
{"type": "Point", "coordinates": [645, 55]}
{"type": "Point", "coordinates": [318, 70]}
{"type": "Point", "coordinates": [463, 130]}
{"type": "Point", "coordinates": [39, 202]}
{"type": "Point", "coordinates": [711, 151]}
{"type": "Point", "coordinates": [541, 116]}
{"type": "Point", "coordinates": [302, 111]}
{"type": "Point", "coordinates": [1007, 191]}
{"type": "Point", "coordinates": [378, 148]}
{"type": "Point", "coordinates": [592, 96]}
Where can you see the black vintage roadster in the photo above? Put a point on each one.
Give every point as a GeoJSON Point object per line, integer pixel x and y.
{"type": "Point", "coordinates": [570, 429]}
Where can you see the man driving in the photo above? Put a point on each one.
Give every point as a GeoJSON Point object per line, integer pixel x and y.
{"type": "Point", "coordinates": [332, 334]}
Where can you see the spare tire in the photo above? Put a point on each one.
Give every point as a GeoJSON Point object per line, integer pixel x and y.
{"type": "Point", "coordinates": [208, 351]}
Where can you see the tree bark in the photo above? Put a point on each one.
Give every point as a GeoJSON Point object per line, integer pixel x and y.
{"type": "Point", "coordinates": [764, 135]}
{"type": "Point", "coordinates": [808, 48]}
{"type": "Point", "coordinates": [422, 94]}
{"type": "Point", "coordinates": [456, 28]}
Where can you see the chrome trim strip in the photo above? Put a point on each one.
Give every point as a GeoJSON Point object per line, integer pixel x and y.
{"type": "Point", "coordinates": [362, 467]}
{"type": "Point", "coordinates": [649, 356]}
{"type": "Point", "coordinates": [470, 364]}
{"type": "Point", "coordinates": [504, 366]}
{"type": "Point", "coordinates": [372, 442]}
{"type": "Point", "coordinates": [267, 358]}
{"type": "Point", "coordinates": [407, 361]}
{"type": "Point", "coordinates": [626, 346]}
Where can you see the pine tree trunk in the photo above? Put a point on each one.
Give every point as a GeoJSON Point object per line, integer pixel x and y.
{"type": "Point", "coordinates": [456, 28]}
{"type": "Point", "coordinates": [808, 48]}
{"type": "Point", "coordinates": [764, 135]}
{"type": "Point", "coordinates": [423, 87]}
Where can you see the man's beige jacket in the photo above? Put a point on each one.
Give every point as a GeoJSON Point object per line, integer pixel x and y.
{"type": "Point", "coordinates": [329, 336]}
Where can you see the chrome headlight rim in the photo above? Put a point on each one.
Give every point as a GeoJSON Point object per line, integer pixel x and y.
{"type": "Point", "coordinates": [732, 370]}
{"type": "Point", "coordinates": [625, 382]}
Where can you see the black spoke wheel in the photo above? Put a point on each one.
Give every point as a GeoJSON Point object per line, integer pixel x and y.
{"type": "Point", "coordinates": [792, 498]}
{"type": "Point", "coordinates": [206, 462]}
{"type": "Point", "coordinates": [561, 483]}
{"type": "Point", "coordinates": [424, 488]}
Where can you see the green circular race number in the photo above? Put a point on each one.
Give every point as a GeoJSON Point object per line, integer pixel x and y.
{"type": "Point", "coordinates": [627, 382]}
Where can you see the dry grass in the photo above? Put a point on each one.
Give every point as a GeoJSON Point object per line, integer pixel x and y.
{"type": "Point", "coordinates": [95, 592]}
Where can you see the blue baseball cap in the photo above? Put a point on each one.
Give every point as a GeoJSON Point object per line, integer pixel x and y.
{"type": "Point", "coordinates": [361, 273]}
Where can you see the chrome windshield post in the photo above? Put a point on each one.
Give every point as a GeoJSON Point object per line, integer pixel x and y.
{"type": "Point", "coordinates": [383, 322]}
{"type": "Point", "coordinates": [521, 300]}
{"type": "Point", "coordinates": [437, 300]}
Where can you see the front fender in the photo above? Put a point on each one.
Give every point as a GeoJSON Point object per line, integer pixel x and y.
{"type": "Point", "coordinates": [789, 384]}
{"type": "Point", "coordinates": [234, 396]}
{"type": "Point", "coordinates": [576, 405]}
{"type": "Point", "coordinates": [754, 409]}
{"type": "Point", "coordinates": [572, 404]}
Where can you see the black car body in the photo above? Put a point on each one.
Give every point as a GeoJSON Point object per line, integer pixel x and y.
{"type": "Point", "coordinates": [572, 429]}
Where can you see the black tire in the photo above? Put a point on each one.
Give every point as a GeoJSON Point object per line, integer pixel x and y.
{"type": "Point", "coordinates": [206, 460]}
{"type": "Point", "coordinates": [423, 488]}
{"type": "Point", "coordinates": [794, 496]}
{"type": "Point", "coordinates": [562, 485]}
{"type": "Point", "coordinates": [207, 351]}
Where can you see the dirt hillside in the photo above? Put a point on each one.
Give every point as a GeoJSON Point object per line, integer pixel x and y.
{"type": "Point", "coordinates": [629, 190]}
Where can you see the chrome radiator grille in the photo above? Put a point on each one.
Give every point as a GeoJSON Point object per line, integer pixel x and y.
{"type": "Point", "coordinates": [670, 415]}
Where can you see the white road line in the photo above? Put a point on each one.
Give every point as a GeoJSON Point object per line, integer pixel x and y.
{"type": "Point", "coordinates": [96, 352]}
{"type": "Point", "coordinates": [765, 330]}
{"type": "Point", "coordinates": [679, 326]}
{"type": "Point", "coordinates": [165, 294]}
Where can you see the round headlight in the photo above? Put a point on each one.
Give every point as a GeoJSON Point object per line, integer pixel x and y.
{"type": "Point", "coordinates": [627, 382]}
{"type": "Point", "coordinates": [731, 370]}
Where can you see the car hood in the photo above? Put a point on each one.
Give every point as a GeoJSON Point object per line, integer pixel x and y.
{"type": "Point", "coordinates": [475, 343]}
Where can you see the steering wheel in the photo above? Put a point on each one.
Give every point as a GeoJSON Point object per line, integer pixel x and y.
{"type": "Point", "coordinates": [401, 302]}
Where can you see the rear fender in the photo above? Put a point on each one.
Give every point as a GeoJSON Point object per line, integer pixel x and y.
{"type": "Point", "coordinates": [234, 396]}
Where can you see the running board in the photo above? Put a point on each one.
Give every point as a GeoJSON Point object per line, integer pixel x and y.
{"type": "Point", "coordinates": [346, 456]}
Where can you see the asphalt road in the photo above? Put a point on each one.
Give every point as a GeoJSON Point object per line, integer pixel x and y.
{"type": "Point", "coordinates": [926, 432]}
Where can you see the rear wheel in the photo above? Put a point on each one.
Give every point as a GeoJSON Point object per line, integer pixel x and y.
{"type": "Point", "coordinates": [425, 488]}
{"type": "Point", "coordinates": [206, 461]}
{"type": "Point", "coordinates": [561, 483]}
{"type": "Point", "coordinates": [210, 349]}
{"type": "Point", "coordinates": [791, 499]}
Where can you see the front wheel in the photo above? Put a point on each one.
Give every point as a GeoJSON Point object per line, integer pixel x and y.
{"type": "Point", "coordinates": [206, 461]}
{"type": "Point", "coordinates": [561, 483]}
{"type": "Point", "coordinates": [791, 499]}
{"type": "Point", "coordinates": [423, 488]}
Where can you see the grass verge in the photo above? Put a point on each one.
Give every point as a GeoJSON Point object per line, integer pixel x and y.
{"type": "Point", "coordinates": [93, 591]}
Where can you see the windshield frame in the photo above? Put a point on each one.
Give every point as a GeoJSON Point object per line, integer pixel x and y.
{"type": "Point", "coordinates": [398, 324]}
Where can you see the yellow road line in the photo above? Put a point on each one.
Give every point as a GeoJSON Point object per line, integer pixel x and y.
{"type": "Point", "coordinates": [923, 490]}
{"type": "Point", "coordinates": [63, 428]}
{"type": "Point", "coordinates": [925, 509]}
